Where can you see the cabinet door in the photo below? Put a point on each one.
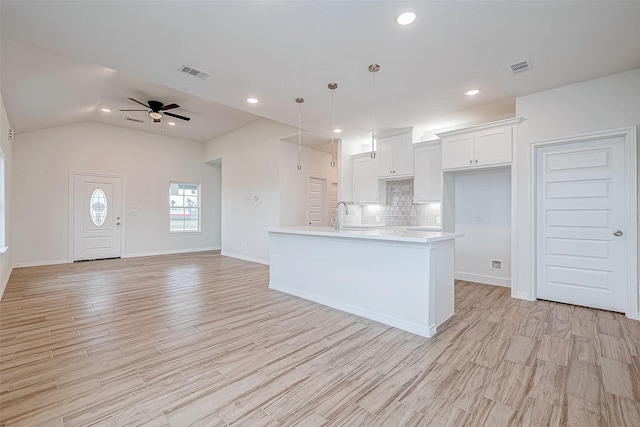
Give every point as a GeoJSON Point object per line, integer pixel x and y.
{"type": "Point", "coordinates": [493, 146]}
{"type": "Point", "coordinates": [458, 151]}
{"type": "Point", "coordinates": [396, 156]}
{"type": "Point", "coordinates": [403, 156]}
{"type": "Point", "coordinates": [365, 179]}
{"type": "Point", "coordinates": [427, 178]}
{"type": "Point", "coordinates": [387, 157]}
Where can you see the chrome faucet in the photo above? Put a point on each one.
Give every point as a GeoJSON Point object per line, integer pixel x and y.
{"type": "Point", "coordinates": [346, 211]}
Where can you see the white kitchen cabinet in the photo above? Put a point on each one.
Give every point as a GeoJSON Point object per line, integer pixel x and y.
{"type": "Point", "coordinates": [395, 150]}
{"type": "Point", "coordinates": [427, 172]}
{"type": "Point", "coordinates": [479, 146]}
{"type": "Point", "coordinates": [365, 178]}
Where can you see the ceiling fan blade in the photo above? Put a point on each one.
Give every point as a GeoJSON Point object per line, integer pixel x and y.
{"type": "Point", "coordinates": [169, 107]}
{"type": "Point", "coordinates": [132, 110]}
{"type": "Point", "coordinates": [135, 100]}
{"type": "Point", "coordinates": [177, 116]}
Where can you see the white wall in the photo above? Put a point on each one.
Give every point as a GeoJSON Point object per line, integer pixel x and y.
{"type": "Point", "coordinates": [250, 167]}
{"type": "Point", "coordinates": [6, 152]}
{"type": "Point", "coordinates": [483, 214]}
{"type": "Point", "coordinates": [294, 183]}
{"type": "Point", "coordinates": [609, 102]}
{"type": "Point", "coordinates": [43, 160]}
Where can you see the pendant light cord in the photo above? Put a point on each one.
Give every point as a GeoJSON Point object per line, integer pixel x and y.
{"type": "Point", "coordinates": [332, 87]}
{"type": "Point", "coordinates": [374, 68]}
{"type": "Point", "coordinates": [299, 101]}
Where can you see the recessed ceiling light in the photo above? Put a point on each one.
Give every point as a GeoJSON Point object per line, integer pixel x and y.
{"type": "Point", "coordinates": [171, 124]}
{"type": "Point", "coordinates": [337, 130]}
{"type": "Point", "coordinates": [106, 110]}
{"type": "Point", "coordinates": [472, 92]}
{"type": "Point", "coordinates": [406, 16]}
{"type": "Point", "coordinates": [252, 100]}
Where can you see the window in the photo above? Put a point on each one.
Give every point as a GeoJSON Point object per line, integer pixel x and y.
{"type": "Point", "coordinates": [98, 207]}
{"type": "Point", "coordinates": [184, 207]}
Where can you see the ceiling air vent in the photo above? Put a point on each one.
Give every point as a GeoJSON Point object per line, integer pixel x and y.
{"type": "Point", "coordinates": [193, 72]}
{"type": "Point", "coordinates": [135, 120]}
{"type": "Point", "coordinates": [521, 67]}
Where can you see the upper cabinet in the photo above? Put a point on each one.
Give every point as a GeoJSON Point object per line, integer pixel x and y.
{"type": "Point", "coordinates": [427, 179]}
{"type": "Point", "coordinates": [395, 150]}
{"type": "Point", "coordinates": [365, 178]}
{"type": "Point", "coordinates": [485, 145]}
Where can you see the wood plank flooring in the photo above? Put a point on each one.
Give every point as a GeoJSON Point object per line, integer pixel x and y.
{"type": "Point", "coordinates": [200, 340]}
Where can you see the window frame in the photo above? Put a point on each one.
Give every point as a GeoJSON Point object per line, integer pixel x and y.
{"type": "Point", "coordinates": [198, 207]}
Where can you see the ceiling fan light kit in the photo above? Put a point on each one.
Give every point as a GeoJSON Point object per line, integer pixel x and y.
{"type": "Point", "coordinates": [157, 110]}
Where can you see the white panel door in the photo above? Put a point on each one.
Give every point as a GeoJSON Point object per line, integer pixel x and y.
{"type": "Point", "coordinates": [581, 213]}
{"type": "Point", "coordinates": [97, 224]}
{"type": "Point", "coordinates": [333, 202]}
{"type": "Point", "coordinates": [318, 212]}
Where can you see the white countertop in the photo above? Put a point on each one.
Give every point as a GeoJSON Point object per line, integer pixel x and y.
{"type": "Point", "coordinates": [392, 234]}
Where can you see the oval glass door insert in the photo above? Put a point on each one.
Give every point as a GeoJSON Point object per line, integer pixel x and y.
{"type": "Point", "coordinates": [98, 207]}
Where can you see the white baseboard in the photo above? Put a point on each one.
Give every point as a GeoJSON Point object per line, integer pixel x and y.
{"type": "Point", "coordinates": [5, 280]}
{"type": "Point", "coordinates": [358, 311]}
{"type": "Point", "coordinates": [522, 295]}
{"type": "Point", "coordinates": [479, 278]}
{"type": "Point", "coordinates": [245, 258]}
{"type": "Point", "coordinates": [40, 263]}
{"type": "Point", "coordinates": [171, 252]}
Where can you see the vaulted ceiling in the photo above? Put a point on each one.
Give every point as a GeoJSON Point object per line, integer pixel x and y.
{"type": "Point", "coordinates": [63, 61]}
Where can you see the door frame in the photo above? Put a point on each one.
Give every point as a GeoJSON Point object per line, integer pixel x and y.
{"type": "Point", "coordinates": [72, 176]}
{"type": "Point", "coordinates": [630, 135]}
{"type": "Point", "coordinates": [325, 206]}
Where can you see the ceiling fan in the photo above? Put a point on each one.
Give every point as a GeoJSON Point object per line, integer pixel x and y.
{"type": "Point", "coordinates": [157, 109]}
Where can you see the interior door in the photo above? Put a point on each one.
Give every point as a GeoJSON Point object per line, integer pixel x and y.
{"type": "Point", "coordinates": [333, 202]}
{"type": "Point", "coordinates": [580, 214]}
{"type": "Point", "coordinates": [97, 217]}
{"type": "Point", "coordinates": [318, 212]}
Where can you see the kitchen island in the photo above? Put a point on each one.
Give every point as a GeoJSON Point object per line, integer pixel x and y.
{"type": "Point", "coordinates": [402, 278]}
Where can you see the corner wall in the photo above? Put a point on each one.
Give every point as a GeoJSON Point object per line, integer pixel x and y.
{"type": "Point", "coordinates": [605, 103]}
{"type": "Point", "coordinates": [6, 152]}
{"type": "Point", "coordinates": [250, 186]}
{"type": "Point", "coordinates": [43, 160]}
{"type": "Point", "coordinates": [294, 183]}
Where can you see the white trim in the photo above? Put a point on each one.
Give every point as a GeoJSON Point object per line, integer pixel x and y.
{"type": "Point", "coordinates": [4, 249]}
{"type": "Point", "coordinates": [630, 135]}
{"type": "Point", "coordinates": [358, 311]}
{"type": "Point", "coordinates": [394, 132]}
{"type": "Point", "coordinates": [40, 263]}
{"type": "Point", "coordinates": [123, 197]}
{"type": "Point", "coordinates": [500, 123]}
{"type": "Point", "coordinates": [172, 252]}
{"type": "Point", "coordinates": [481, 278]}
{"type": "Point", "coordinates": [5, 281]}
{"type": "Point", "coordinates": [245, 258]}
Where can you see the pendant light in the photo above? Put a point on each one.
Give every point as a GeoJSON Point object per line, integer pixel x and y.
{"type": "Point", "coordinates": [373, 69]}
{"type": "Point", "coordinates": [299, 101]}
{"type": "Point", "coordinates": [332, 87]}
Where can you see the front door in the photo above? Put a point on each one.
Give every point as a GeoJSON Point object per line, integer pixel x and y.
{"type": "Point", "coordinates": [581, 257]}
{"type": "Point", "coordinates": [97, 217]}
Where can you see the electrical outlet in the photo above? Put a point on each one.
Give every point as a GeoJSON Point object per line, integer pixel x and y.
{"type": "Point", "coordinates": [477, 217]}
{"type": "Point", "coordinates": [438, 219]}
{"type": "Point", "coordinates": [496, 264]}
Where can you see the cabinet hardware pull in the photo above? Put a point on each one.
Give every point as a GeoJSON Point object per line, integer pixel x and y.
{"type": "Point", "coordinates": [617, 233]}
{"type": "Point", "coordinates": [476, 160]}
{"type": "Point", "coordinates": [470, 162]}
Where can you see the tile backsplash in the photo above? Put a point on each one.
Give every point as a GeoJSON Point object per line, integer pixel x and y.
{"type": "Point", "coordinates": [398, 211]}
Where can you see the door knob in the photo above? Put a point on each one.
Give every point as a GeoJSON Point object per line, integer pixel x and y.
{"type": "Point", "coordinates": [617, 233]}
{"type": "Point", "coordinates": [117, 223]}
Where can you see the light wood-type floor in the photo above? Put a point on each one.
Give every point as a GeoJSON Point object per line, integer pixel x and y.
{"type": "Point", "coordinates": [199, 339]}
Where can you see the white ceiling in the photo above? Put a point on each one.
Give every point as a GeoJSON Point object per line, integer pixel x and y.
{"type": "Point", "coordinates": [62, 61]}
